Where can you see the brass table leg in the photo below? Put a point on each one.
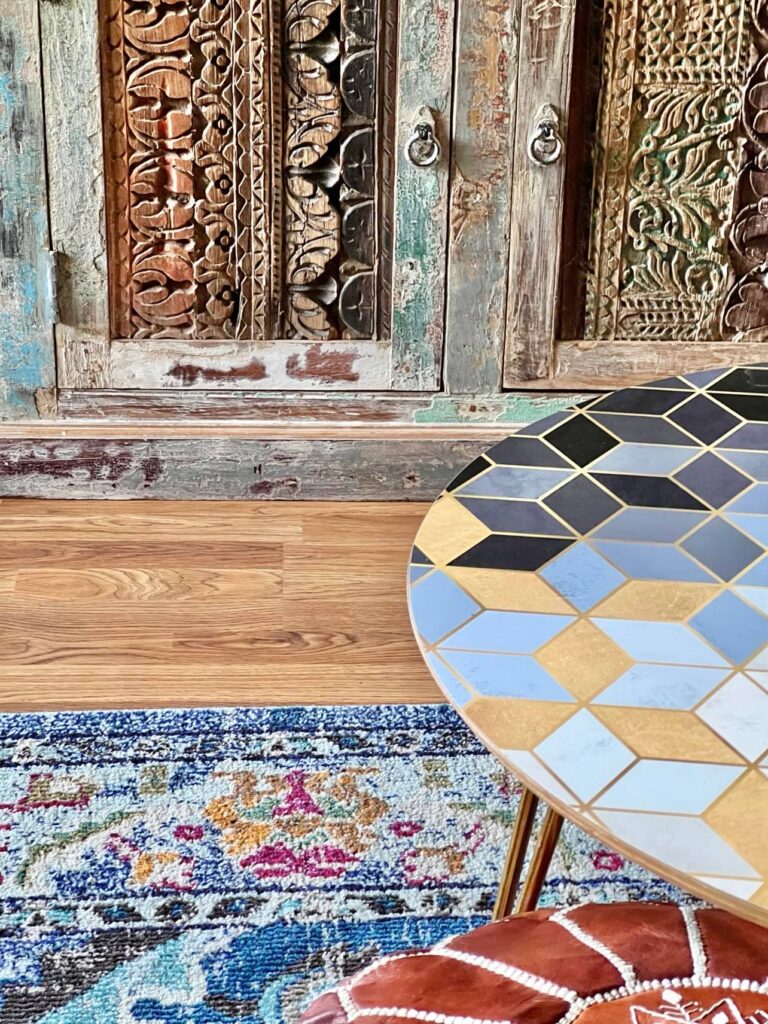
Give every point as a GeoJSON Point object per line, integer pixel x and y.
{"type": "Point", "coordinates": [518, 847]}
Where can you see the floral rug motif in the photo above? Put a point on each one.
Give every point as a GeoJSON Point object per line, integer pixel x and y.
{"type": "Point", "coordinates": [220, 866]}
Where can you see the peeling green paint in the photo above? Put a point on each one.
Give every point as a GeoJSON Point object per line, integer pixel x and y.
{"type": "Point", "coordinates": [425, 63]}
{"type": "Point", "coordinates": [26, 337]}
{"type": "Point", "coordinates": [511, 408]}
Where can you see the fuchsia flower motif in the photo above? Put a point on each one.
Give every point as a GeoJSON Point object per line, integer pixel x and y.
{"type": "Point", "coordinates": [405, 829]}
{"type": "Point", "coordinates": [190, 833]}
{"type": "Point", "coordinates": [606, 860]}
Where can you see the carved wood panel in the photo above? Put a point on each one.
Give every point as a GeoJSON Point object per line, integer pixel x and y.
{"type": "Point", "coordinates": [668, 153]}
{"type": "Point", "coordinates": [243, 192]}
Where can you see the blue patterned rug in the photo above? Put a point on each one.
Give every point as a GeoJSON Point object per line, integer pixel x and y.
{"type": "Point", "coordinates": [220, 866]}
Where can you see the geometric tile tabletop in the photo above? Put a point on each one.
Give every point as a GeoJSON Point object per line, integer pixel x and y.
{"type": "Point", "coordinates": [592, 596]}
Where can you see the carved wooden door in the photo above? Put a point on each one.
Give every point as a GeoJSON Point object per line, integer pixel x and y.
{"type": "Point", "coordinates": [641, 250]}
{"type": "Point", "coordinates": [266, 226]}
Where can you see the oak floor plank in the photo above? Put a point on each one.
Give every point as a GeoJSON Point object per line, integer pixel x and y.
{"type": "Point", "coordinates": [163, 604]}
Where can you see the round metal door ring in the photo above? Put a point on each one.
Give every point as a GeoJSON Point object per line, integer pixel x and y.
{"type": "Point", "coordinates": [423, 148]}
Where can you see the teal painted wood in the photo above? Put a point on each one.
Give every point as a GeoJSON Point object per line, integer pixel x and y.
{"type": "Point", "coordinates": [425, 67]}
{"type": "Point", "coordinates": [27, 365]}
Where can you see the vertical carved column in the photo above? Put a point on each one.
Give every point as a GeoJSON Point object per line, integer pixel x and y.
{"type": "Point", "coordinates": [745, 311]}
{"type": "Point", "coordinates": [330, 157]}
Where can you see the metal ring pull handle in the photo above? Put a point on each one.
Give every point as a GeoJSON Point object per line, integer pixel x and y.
{"type": "Point", "coordinates": [545, 146]}
{"type": "Point", "coordinates": [423, 148]}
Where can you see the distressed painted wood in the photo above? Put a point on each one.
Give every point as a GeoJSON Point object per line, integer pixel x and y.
{"type": "Point", "coordinates": [230, 364]}
{"type": "Point", "coordinates": [232, 468]}
{"type": "Point", "coordinates": [545, 58]}
{"type": "Point", "coordinates": [69, 36]}
{"type": "Point", "coordinates": [26, 302]}
{"type": "Point", "coordinates": [481, 189]}
{"type": "Point", "coordinates": [579, 363]}
{"type": "Point", "coordinates": [424, 82]}
{"type": "Point", "coordinates": [291, 408]}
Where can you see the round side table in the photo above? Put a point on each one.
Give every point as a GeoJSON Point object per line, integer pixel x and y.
{"type": "Point", "coordinates": [592, 597]}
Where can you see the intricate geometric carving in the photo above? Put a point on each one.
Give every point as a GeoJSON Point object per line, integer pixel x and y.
{"type": "Point", "coordinates": [745, 313]}
{"type": "Point", "coordinates": [330, 158]}
{"type": "Point", "coordinates": [241, 167]}
{"type": "Point", "coordinates": [666, 166]}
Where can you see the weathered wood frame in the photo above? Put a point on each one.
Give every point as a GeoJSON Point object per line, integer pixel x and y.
{"type": "Point", "coordinates": [98, 377]}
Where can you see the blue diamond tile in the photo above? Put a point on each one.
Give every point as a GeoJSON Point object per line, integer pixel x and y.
{"type": "Point", "coordinates": [439, 605]}
{"type": "Point", "coordinates": [732, 626]}
{"type": "Point", "coordinates": [654, 686]}
{"type": "Point", "coordinates": [722, 548]}
{"type": "Point", "coordinates": [653, 562]}
{"type": "Point", "coordinates": [584, 754]}
{"type": "Point", "coordinates": [508, 632]}
{"type": "Point", "coordinates": [582, 576]}
{"type": "Point", "coordinates": [505, 675]}
{"type": "Point", "coordinates": [668, 642]}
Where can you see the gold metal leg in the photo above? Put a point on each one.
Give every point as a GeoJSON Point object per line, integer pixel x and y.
{"type": "Point", "coordinates": [540, 860]}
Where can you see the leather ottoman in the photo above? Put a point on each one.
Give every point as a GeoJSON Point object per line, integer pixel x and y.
{"type": "Point", "coordinates": [639, 963]}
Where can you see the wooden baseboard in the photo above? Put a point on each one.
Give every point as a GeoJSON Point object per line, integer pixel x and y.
{"type": "Point", "coordinates": [208, 461]}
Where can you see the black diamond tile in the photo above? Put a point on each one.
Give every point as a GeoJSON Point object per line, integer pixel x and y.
{"type": "Point", "coordinates": [469, 472]}
{"type": "Point", "coordinates": [673, 383]}
{"type": "Point", "coordinates": [539, 427]}
{"type": "Point", "coordinates": [581, 440]}
{"type": "Point", "coordinates": [748, 379]}
{"type": "Point", "coordinates": [582, 504]}
{"type": "Point", "coordinates": [642, 400]}
{"type": "Point", "coordinates": [419, 558]}
{"type": "Point", "coordinates": [713, 480]}
{"type": "Point", "coordinates": [644, 429]}
{"type": "Point", "coordinates": [515, 516]}
{"type": "Point", "coordinates": [722, 548]}
{"type": "Point", "coordinates": [503, 552]}
{"type": "Point", "coordinates": [648, 491]}
{"type": "Point", "coordinates": [750, 407]}
{"type": "Point", "coordinates": [704, 419]}
{"type": "Point", "coordinates": [526, 451]}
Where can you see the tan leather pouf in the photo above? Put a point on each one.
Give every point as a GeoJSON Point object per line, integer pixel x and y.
{"type": "Point", "coordinates": [639, 963]}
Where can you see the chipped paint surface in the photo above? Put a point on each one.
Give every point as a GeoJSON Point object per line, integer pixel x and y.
{"type": "Point", "coordinates": [236, 468]}
{"type": "Point", "coordinates": [425, 63]}
{"type": "Point", "coordinates": [26, 340]}
{"type": "Point", "coordinates": [511, 408]}
{"type": "Point", "coordinates": [481, 188]}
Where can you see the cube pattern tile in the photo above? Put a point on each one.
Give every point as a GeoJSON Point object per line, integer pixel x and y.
{"type": "Point", "coordinates": [592, 594]}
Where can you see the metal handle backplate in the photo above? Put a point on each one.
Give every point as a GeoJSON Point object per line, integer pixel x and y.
{"type": "Point", "coordinates": [545, 145]}
{"type": "Point", "coordinates": [423, 147]}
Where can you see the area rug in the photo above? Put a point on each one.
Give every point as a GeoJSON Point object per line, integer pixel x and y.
{"type": "Point", "coordinates": [220, 866]}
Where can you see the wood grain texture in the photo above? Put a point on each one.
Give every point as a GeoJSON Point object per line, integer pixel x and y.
{"type": "Point", "coordinates": [26, 302]}
{"type": "Point", "coordinates": [544, 73]}
{"type": "Point", "coordinates": [424, 79]}
{"type": "Point", "coordinates": [69, 40]}
{"type": "Point", "coordinates": [296, 407]}
{"type": "Point", "coordinates": [240, 468]}
{"type": "Point", "coordinates": [481, 189]}
{"type": "Point", "coordinates": [92, 618]}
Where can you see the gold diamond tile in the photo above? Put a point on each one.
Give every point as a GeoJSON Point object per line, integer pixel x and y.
{"type": "Point", "coordinates": [515, 723]}
{"type": "Point", "coordinates": [448, 531]}
{"type": "Point", "coordinates": [510, 591]}
{"type": "Point", "coordinates": [583, 659]}
{"type": "Point", "coordinates": [656, 600]}
{"type": "Point", "coordinates": [665, 734]}
{"type": "Point", "coordinates": [740, 816]}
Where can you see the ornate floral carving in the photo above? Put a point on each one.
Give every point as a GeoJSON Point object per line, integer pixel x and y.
{"type": "Point", "coordinates": [745, 312]}
{"type": "Point", "coordinates": [330, 156]}
{"type": "Point", "coordinates": [666, 165]}
{"type": "Point", "coordinates": [241, 169]}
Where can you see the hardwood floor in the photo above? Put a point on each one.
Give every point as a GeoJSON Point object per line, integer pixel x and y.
{"type": "Point", "coordinates": [166, 604]}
